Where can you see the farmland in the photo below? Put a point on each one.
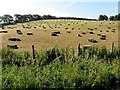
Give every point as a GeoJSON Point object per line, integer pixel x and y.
{"type": "Point", "coordinates": [71, 33]}
{"type": "Point", "coordinates": [56, 63]}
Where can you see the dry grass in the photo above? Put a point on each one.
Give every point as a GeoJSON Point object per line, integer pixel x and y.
{"type": "Point", "coordinates": [43, 40]}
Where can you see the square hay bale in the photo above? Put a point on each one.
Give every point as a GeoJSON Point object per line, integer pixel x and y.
{"type": "Point", "coordinates": [109, 27]}
{"type": "Point", "coordinates": [72, 28]}
{"type": "Point", "coordinates": [14, 46]}
{"type": "Point", "coordinates": [99, 34]}
{"type": "Point", "coordinates": [79, 35]}
{"type": "Point", "coordinates": [19, 32]}
{"type": "Point", "coordinates": [83, 32]}
{"type": "Point", "coordinates": [14, 39]}
{"type": "Point", "coordinates": [107, 31]}
{"type": "Point", "coordinates": [29, 33]}
{"type": "Point", "coordinates": [57, 32]}
{"type": "Point", "coordinates": [68, 32]}
{"type": "Point", "coordinates": [93, 40]}
{"type": "Point", "coordinates": [91, 29]}
{"type": "Point", "coordinates": [54, 34]}
{"type": "Point", "coordinates": [100, 30]}
{"type": "Point", "coordinates": [66, 28]}
{"type": "Point", "coordinates": [44, 27]}
{"type": "Point", "coordinates": [113, 31]}
{"type": "Point", "coordinates": [3, 31]}
{"type": "Point", "coordinates": [91, 32]}
{"type": "Point", "coordinates": [103, 37]}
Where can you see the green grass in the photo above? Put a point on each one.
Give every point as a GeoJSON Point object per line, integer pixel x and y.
{"type": "Point", "coordinates": [61, 68]}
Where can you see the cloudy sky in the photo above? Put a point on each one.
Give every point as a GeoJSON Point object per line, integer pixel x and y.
{"type": "Point", "coordinates": [74, 8]}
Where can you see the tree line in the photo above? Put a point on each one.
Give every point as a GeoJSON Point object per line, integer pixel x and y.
{"type": "Point", "coordinates": [18, 18]}
{"type": "Point", "coordinates": [111, 18]}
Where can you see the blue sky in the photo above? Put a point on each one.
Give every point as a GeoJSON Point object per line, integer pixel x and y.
{"type": "Point", "coordinates": [59, 8]}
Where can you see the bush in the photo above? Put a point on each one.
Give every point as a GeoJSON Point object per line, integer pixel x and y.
{"type": "Point", "coordinates": [61, 68]}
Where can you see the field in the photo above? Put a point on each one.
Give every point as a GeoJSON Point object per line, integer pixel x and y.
{"type": "Point", "coordinates": [56, 63]}
{"type": "Point", "coordinates": [70, 34]}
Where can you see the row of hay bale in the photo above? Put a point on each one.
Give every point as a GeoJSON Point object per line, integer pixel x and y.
{"type": "Point", "coordinates": [11, 27]}
{"type": "Point", "coordinates": [3, 31]}
{"type": "Point", "coordinates": [12, 46]}
{"type": "Point", "coordinates": [20, 32]}
{"type": "Point", "coordinates": [14, 39]}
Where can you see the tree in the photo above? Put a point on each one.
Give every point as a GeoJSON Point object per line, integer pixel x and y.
{"type": "Point", "coordinates": [18, 18]}
{"type": "Point", "coordinates": [116, 17]}
{"type": "Point", "coordinates": [101, 17]}
{"type": "Point", "coordinates": [105, 17]}
{"type": "Point", "coordinates": [111, 18]}
{"type": "Point", "coordinates": [8, 18]}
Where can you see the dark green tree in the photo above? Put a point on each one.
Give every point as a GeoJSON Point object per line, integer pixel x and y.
{"type": "Point", "coordinates": [105, 17]}
{"type": "Point", "coordinates": [116, 17]}
{"type": "Point", "coordinates": [101, 17]}
{"type": "Point", "coordinates": [111, 18]}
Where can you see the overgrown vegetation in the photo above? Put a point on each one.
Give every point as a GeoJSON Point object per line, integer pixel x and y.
{"type": "Point", "coordinates": [61, 68]}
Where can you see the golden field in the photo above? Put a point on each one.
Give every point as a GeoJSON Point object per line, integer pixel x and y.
{"type": "Point", "coordinates": [68, 37]}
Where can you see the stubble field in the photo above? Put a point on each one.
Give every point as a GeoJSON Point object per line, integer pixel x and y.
{"type": "Point", "coordinates": [68, 34]}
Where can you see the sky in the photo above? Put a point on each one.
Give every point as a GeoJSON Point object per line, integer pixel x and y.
{"type": "Point", "coordinates": [60, 8]}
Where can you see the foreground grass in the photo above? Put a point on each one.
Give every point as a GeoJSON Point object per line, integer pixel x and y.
{"type": "Point", "coordinates": [61, 68]}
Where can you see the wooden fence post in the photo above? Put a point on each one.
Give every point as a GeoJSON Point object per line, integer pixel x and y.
{"type": "Point", "coordinates": [33, 51]}
{"type": "Point", "coordinates": [112, 47]}
{"type": "Point", "coordinates": [78, 50]}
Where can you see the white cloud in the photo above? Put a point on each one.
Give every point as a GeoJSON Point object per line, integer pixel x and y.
{"type": "Point", "coordinates": [51, 11]}
{"type": "Point", "coordinates": [27, 7]}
